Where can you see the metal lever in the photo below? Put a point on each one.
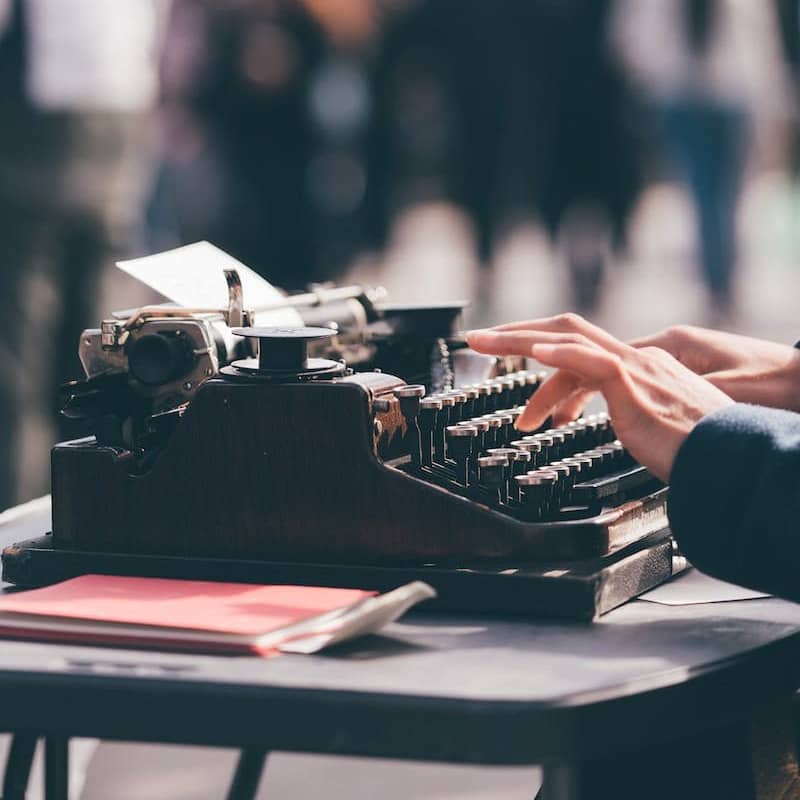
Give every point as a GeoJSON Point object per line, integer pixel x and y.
{"type": "Point", "coordinates": [235, 299]}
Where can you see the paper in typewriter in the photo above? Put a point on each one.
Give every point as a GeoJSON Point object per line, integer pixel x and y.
{"type": "Point", "coordinates": [193, 276]}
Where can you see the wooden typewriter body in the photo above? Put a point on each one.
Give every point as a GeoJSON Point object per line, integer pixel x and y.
{"type": "Point", "coordinates": [315, 479]}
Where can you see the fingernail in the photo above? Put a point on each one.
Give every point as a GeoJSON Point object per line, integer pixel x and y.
{"type": "Point", "coordinates": [524, 427]}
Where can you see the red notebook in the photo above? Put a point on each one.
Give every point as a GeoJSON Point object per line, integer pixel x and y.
{"type": "Point", "coordinates": [175, 614]}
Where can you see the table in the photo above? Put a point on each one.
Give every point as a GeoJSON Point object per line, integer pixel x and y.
{"type": "Point", "coordinates": [630, 703]}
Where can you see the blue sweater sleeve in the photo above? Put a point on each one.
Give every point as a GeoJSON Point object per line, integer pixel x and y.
{"type": "Point", "coordinates": [734, 503]}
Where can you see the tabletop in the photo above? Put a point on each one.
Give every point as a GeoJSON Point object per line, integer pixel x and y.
{"type": "Point", "coordinates": [463, 689]}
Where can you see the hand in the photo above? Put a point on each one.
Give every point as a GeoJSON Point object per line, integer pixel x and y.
{"type": "Point", "coordinates": [654, 400]}
{"type": "Point", "coordinates": [748, 370]}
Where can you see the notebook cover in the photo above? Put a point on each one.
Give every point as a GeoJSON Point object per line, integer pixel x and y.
{"type": "Point", "coordinates": [221, 610]}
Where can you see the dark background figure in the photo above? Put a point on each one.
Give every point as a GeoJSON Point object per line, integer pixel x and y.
{"type": "Point", "coordinates": [70, 154]}
{"type": "Point", "coordinates": [788, 20]}
{"type": "Point", "coordinates": [237, 135]}
{"type": "Point", "coordinates": [508, 115]}
{"type": "Point", "coordinates": [708, 135]}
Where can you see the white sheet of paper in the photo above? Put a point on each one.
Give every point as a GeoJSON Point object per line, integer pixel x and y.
{"type": "Point", "coordinates": [193, 276]}
{"type": "Point", "coordinates": [693, 586]}
{"type": "Point", "coordinates": [368, 616]}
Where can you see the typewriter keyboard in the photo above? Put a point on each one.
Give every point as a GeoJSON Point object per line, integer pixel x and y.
{"type": "Point", "coordinates": [469, 445]}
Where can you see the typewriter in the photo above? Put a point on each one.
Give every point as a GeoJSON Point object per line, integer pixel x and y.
{"type": "Point", "coordinates": [367, 446]}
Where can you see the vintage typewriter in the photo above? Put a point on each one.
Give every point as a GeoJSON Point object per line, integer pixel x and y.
{"type": "Point", "coordinates": [367, 447]}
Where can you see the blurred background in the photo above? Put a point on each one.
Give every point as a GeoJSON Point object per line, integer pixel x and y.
{"type": "Point", "coordinates": [633, 160]}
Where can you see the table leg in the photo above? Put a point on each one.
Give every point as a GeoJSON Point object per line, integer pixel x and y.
{"type": "Point", "coordinates": [247, 775]}
{"type": "Point", "coordinates": [18, 766]}
{"type": "Point", "coordinates": [560, 782]}
{"type": "Point", "coordinates": [56, 768]}
{"type": "Point", "coordinates": [753, 759]}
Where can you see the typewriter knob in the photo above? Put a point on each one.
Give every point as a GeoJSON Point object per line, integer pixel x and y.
{"type": "Point", "coordinates": [283, 353]}
{"type": "Point", "coordinates": [158, 358]}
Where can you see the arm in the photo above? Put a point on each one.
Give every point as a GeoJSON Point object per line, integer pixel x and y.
{"type": "Point", "coordinates": [734, 502]}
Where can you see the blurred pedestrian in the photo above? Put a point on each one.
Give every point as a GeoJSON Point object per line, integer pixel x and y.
{"type": "Point", "coordinates": [76, 79]}
{"type": "Point", "coordinates": [510, 111]}
{"type": "Point", "coordinates": [707, 69]}
{"type": "Point", "coordinates": [236, 134]}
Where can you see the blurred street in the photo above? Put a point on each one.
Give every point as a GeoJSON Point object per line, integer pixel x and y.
{"type": "Point", "coordinates": [637, 161]}
{"type": "Point", "coordinates": [653, 286]}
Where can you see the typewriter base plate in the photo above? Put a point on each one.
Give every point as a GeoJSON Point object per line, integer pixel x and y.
{"type": "Point", "coordinates": [580, 590]}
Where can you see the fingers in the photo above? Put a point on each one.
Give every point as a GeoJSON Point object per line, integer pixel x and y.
{"type": "Point", "coordinates": [566, 323]}
{"type": "Point", "coordinates": [579, 366]}
{"type": "Point", "coordinates": [593, 364]}
{"type": "Point", "coordinates": [548, 396]}
{"type": "Point", "coordinates": [519, 343]}
{"type": "Point", "coordinates": [571, 407]}
{"type": "Point", "coordinates": [585, 354]}
{"type": "Point", "coordinates": [653, 340]}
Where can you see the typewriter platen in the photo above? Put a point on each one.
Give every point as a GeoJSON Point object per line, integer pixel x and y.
{"type": "Point", "coordinates": [356, 450]}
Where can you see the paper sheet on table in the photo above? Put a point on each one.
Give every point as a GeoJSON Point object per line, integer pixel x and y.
{"type": "Point", "coordinates": [692, 586]}
{"type": "Point", "coordinates": [193, 276]}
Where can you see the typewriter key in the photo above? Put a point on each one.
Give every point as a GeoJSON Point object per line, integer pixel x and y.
{"type": "Point", "coordinates": [481, 401]}
{"type": "Point", "coordinates": [605, 433]}
{"type": "Point", "coordinates": [579, 426]}
{"type": "Point", "coordinates": [460, 399]}
{"type": "Point", "coordinates": [546, 442]}
{"type": "Point", "coordinates": [442, 421]}
{"type": "Point", "coordinates": [518, 396]}
{"type": "Point", "coordinates": [531, 385]}
{"type": "Point", "coordinates": [557, 449]}
{"type": "Point", "coordinates": [566, 480]}
{"type": "Point", "coordinates": [492, 473]}
{"type": "Point", "coordinates": [409, 398]}
{"type": "Point", "coordinates": [520, 464]}
{"type": "Point", "coordinates": [596, 461]}
{"type": "Point", "coordinates": [507, 395]}
{"type": "Point", "coordinates": [493, 436]}
{"type": "Point", "coordinates": [507, 431]}
{"type": "Point", "coordinates": [536, 493]}
{"type": "Point", "coordinates": [493, 400]}
{"type": "Point", "coordinates": [471, 393]}
{"type": "Point", "coordinates": [461, 441]}
{"type": "Point", "coordinates": [609, 455]}
{"type": "Point", "coordinates": [532, 446]}
{"type": "Point", "coordinates": [616, 454]}
{"type": "Point", "coordinates": [429, 410]}
{"type": "Point", "coordinates": [411, 390]}
{"type": "Point", "coordinates": [522, 461]}
{"type": "Point", "coordinates": [570, 437]}
{"type": "Point", "coordinates": [483, 429]}
{"type": "Point", "coordinates": [591, 425]}
{"type": "Point", "coordinates": [505, 452]}
{"type": "Point", "coordinates": [580, 469]}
